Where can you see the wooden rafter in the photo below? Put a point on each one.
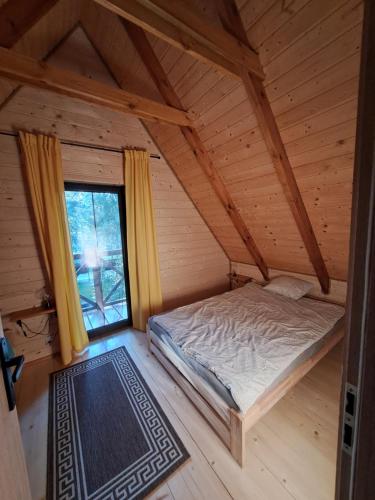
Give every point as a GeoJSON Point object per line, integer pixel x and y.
{"type": "Point", "coordinates": [18, 16]}
{"type": "Point", "coordinates": [267, 123]}
{"type": "Point", "coordinates": [182, 15]}
{"type": "Point", "coordinates": [175, 22]}
{"type": "Point", "coordinates": [39, 74]}
{"type": "Point", "coordinates": [160, 78]}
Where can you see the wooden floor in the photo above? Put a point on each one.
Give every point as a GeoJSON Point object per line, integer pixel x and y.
{"type": "Point", "coordinates": [291, 451]}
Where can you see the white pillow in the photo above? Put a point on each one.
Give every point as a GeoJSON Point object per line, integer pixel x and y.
{"type": "Point", "coordinates": [291, 287]}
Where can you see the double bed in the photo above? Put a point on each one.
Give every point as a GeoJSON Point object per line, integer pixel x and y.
{"type": "Point", "coordinates": [236, 354]}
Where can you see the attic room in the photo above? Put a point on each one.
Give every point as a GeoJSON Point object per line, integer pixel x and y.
{"type": "Point", "coordinates": [187, 249]}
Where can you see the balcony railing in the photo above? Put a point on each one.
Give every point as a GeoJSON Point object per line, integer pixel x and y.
{"type": "Point", "coordinates": [101, 287]}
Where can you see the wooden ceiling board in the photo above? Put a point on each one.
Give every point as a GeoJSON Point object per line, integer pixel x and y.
{"type": "Point", "coordinates": [43, 37]}
{"type": "Point", "coordinates": [50, 29]}
{"type": "Point", "coordinates": [344, 46]}
{"type": "Point", "coordinates": [252, 11]}
{"type": "Point", "coordinates": [266, 25]}
{"type": "Point", "coordinates": [324, 34]}
{"type": "Point", "coordinates": [309, 19]}
{"type": "Point", "coordinates": [313, 106]}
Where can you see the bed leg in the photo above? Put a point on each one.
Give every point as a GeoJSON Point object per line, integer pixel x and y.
{"type": "Point", "coordinates": [237, 439]}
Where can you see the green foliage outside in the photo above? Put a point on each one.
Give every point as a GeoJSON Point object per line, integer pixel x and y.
{"type": "Point", "coordinates": [94, 225]}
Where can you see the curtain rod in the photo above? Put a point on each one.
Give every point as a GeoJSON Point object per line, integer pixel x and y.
{"type": "Point", "coordinates": [84, 145]}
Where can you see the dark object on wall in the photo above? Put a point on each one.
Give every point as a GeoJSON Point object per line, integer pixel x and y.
{"type": "Point", "coordinates": [9, 361]}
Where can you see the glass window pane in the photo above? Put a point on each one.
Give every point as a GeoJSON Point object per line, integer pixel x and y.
{"type": "Point", "coordinates": [96, 239]}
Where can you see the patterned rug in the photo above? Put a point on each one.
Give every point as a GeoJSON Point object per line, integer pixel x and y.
{"type": "Point", "coordinates": [108, 438]}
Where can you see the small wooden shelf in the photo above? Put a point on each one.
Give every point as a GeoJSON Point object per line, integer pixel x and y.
{"type": "Point", "coordinates": [30, 313]}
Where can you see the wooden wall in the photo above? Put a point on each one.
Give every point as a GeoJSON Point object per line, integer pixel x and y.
{"type": "Point", "coordinates": [337, 292]}
{"type": "Point", "coordinates": [193, 265]}
{"type": "Point", "coordinates": [310, 50]}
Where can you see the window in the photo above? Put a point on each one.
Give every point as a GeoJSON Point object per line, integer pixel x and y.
{"type": "Point", "coordinates": [96, 216]}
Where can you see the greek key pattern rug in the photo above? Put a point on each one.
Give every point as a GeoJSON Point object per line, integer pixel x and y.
{"type": "Point", "coordinates": [108, 437]}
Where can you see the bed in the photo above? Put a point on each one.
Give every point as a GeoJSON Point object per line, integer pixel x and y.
{"type": "Point", "coordinates": [236, 354]}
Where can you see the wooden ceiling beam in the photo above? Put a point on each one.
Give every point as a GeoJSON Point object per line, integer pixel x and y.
{"type": "Point", "coordinates": [176, 23]}
{"type": "Point", "coordinates": [18, 16]}
{"type": "Point", "coordinates": [183, 15]}
{"type": "Point", "coordinates": [160, 78]}
{"type": "Point", "coordinates": [267, 123]}
{"type": "Point", "coordinates": [39, 74]}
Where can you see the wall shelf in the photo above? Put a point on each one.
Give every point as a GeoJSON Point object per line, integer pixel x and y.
{"type": "Point", "coordinates": [32, 312]}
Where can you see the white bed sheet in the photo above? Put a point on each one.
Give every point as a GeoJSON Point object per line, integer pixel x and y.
{"type": "Point", "coordinates": [248, 337]}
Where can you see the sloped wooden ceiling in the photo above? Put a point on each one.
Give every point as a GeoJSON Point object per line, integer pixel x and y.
{"type": "Point", "coordinates": [310, 53]}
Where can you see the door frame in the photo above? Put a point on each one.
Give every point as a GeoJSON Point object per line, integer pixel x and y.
{"type": "Point", "coordinates": [120, 191]}
{"type": "Point", "coordinates": [356, 465]}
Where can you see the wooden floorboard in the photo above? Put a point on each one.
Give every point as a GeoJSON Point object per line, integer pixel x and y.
{"type": "Point", "coordinates": [291, 452]}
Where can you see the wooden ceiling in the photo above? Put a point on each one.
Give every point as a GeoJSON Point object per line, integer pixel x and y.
{"type": "Point", "coordinates": [309, 52]}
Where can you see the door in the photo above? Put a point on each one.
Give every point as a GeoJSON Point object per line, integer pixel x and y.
{"type": "Point", "coordinates": [14, 482]}
{"type": "Point", "coordinates": [96, 217]}
{"type": "Point", "coordinates": [356, 455]}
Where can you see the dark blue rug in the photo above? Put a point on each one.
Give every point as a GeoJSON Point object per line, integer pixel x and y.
{"type": "Point", "coordinates": [108, 438]}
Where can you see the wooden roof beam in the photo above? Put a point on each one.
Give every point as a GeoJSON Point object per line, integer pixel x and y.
{"type": "Point", "coordinates": [176, 23]}
{"type": "Point", "coordinates": [160, 78]}
{"type": "Point", "coordinates": [267, 123]}
{"type": "Point", "coordinates": [39, 74]}
{"type": "Point", "coordinates": [18, 16]}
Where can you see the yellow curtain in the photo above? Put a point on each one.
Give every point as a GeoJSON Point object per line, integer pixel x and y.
{"type": "Point", "coordinates": [42, 159]}
{"type": "Point", "coordinates": [143, 258]}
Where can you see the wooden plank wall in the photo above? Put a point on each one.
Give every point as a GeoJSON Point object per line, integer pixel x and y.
{"type": "Point", "coordinates": [193, 265]}
{"type": "Point", "coordinates": [310, 52]}
{"type": "Point", "coordinates": [338, 288]}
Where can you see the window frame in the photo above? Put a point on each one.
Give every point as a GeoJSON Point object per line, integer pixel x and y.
{"type": "Point", "coordinates": [120, 191]}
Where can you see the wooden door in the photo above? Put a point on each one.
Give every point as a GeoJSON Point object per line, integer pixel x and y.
{"type": "Point", "coordinates": [356, 458]}
{"type": "Point", "coordinates": [14, 482]}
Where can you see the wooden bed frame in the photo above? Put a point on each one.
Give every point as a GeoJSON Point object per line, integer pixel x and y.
{"type": "Point", "coordinates": [231, 425]}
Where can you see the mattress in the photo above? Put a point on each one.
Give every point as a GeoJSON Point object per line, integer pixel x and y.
{"type": "Point", "coordinates": [197, 368]}
{"type": "Point", "coordinates": [244, 342]}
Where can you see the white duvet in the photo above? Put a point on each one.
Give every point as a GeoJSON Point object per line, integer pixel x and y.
{"type": "Point", "coordinates": [248, 337]}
